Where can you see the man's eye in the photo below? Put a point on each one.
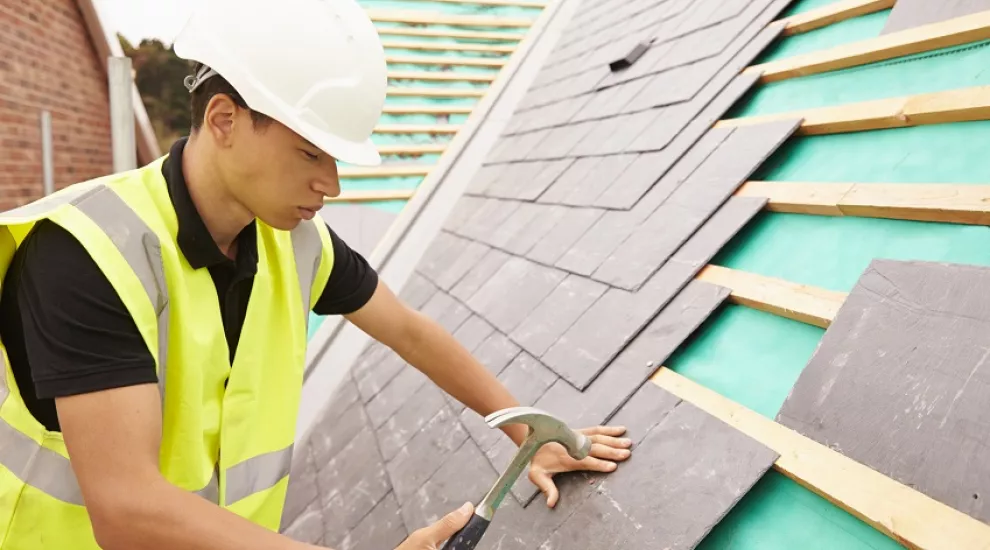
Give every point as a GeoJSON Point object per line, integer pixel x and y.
{"type": "Point", "coordinates": [310, 156]}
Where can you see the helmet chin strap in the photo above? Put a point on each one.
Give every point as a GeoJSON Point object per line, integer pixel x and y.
{"type": "Point", "coordinates": [192, 82]}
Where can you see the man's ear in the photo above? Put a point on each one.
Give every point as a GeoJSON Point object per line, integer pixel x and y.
{"type": "Point", "coordinates": [220, 118]}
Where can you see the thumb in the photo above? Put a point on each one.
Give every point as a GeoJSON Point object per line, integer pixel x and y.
{"type": "Point", "coordinates": [452, 523]}
{"type": "Point", "coordinates": [545, 483]}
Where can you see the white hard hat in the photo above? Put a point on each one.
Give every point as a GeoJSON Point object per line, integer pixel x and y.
{"type": "Point", "coordinates": [316, 66]}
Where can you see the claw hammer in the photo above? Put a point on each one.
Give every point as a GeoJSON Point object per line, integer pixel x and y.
{"type": "Point", "coordinates": [543, 428]}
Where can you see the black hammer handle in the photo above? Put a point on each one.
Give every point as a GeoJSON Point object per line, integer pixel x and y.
{"type": "Point", "coordinates": [468, 537]}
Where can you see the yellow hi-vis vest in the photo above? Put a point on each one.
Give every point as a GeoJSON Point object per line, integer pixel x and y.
{"type": "Point", "coordinates": [227, 430]}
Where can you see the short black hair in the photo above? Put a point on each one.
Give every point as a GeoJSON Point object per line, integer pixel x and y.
{"type": "Point", "coordinates": [212, 86]}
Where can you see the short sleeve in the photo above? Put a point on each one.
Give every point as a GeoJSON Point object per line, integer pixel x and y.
{"type": "Point", "coordinates": [78, 336]}
{"type": "Point", "coordinates": [352, 281]}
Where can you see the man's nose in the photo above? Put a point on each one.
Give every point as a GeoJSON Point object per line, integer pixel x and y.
{"type": "Point", "coordinates": [328, 183]}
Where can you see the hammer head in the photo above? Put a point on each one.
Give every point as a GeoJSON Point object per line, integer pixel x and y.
{"type": "Point", "coordinates": [543, 428]}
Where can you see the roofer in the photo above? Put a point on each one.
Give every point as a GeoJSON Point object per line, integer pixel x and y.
{"type": "Point", "coordinates": [155, 321]}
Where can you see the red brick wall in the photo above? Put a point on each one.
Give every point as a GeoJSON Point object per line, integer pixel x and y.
{"type": "Point", "coordinates": [48, 62]}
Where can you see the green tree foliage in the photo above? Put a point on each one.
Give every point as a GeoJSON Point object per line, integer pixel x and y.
{"type": "Point", "coordinates": [158, 75]}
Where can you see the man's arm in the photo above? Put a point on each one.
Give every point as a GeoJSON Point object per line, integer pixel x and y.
{"type": "Point", "coordinates": [113, 440]}
{"type": "Point", "coordinates": [427, 346]}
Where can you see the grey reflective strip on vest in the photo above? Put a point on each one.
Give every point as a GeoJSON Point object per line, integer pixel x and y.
{"type": "Point", "coordinates": [42, 468]}
{"type": "Point", "coordinates": [257, 474]}
{"type": "Point", "coordinates": [139, 245]}
{"type": "Point", "coordinates": [212, 490]}
{"type": "Point", "coordinates": [307, 247]}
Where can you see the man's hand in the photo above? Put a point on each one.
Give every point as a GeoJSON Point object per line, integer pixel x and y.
{"type": "Point", "coordinates": [430, 538]}
{"type": "Point", "coordinates": [606, 450]}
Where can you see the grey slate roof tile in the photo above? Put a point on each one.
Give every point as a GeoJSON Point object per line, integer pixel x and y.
{"type": "Point", "coordinates": [446, 310]}
{"type": "Point", "coordinates": [425, 453]}
{"type": "Point", "coordinates": [597, 243]}
{"type": "Point", "coordinates": [417, 291]}
{"type": "Point", "coordinates": [568, 230]}
{"type": "Point", "coordinates": [485, 176]}
{"type": "Point", "coordinates": [473, 279]}
{"type": "Point", "coordinates": [473, 332]}
{"type": "Point", "coordinates": [557, 313]}
{"type": "Point", "coordinates": [647, 408]}
{"type": "Point", "coordinates": [394, 395]}
{"type": "Point", "coordinates": [352, 484]}
{"type": "Point", "coordinates": [382, 528]}
{"type": "Point", "coordinates": [569, 180]}
{"type": "Point", "coordinates": [378, 376]}
{"type": "Point", "coordinates": [328, 438]}
{"type": "Point", "coordinates": [412, 416]}
{"type": "Point", "coordinates": [308, 526]}
{"type": "Point", "coordinates": [466, 476]}
{"type": "Point", "coordinates": [548, 217]}
{"type": "Point", "coordinates": [535, 187]}
{"type": "Point", "coordinates": [696, 468]}
{"type": "Point", "coordinates": [488, 218]}
{"type": "Point", "coordinates": [513, 291]}
{"type": "Point", "coordinates": [496, 352]}
{"type": "Point", "coordinates": [302, 490]}
{"type": "Point", "coordinates": [630, 126]}
{"type": "Point", "coordinates": [465, 208]}
{"type": "Point", "coordinates": [460, 265]}
{"type": "Point", "coordinates": [512, 177]}
{"type": "Point", "coordinates": [561, 140]}
{"type": "Point", "coordinates": [624, 192]}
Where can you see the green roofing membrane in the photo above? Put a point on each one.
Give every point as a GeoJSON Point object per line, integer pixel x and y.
{"type": "Point", "coordinates": [754, 358]}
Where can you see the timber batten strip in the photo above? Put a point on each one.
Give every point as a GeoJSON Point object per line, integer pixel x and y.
{"type": "Point", "coordinates": [961, 105]}
{"type": "Point", "coordinates": [803, 303]}
{"type": "Point", "coordinates": [832, 13]}
{"type": "Point", "coordinates": [945, 34]}
{"type": "Point", "coordinates": [438, 129]}
{"type": "Point", "coordinates": [442, 76]}
{"type": "Point", "coordinates": [433, 18]}
{"type": "Point", "coordinates": [903, 514]}
{"type": "Point", "coordinates": [372, 196]}
{"type": "Point", "coordinates": [505, 3]}
{"type": "Point", "coordinates": [386, 171]}
{"type": "Point", "coordinates": [427, 109]}
{"type": "Point", "coordinates": [488, 62]}
{"type": "Point", "coordinates": [448, 46]}
{"type": "Point", "coordinates": [927, 202]}
{"type": "Point", "coordinates": [445, 33]}
{"type": "Point", "coordinates": [412, 149]}
{"type": "Point", "coordinates": [436, 92]}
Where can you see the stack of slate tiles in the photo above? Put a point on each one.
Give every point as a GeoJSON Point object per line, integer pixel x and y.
{"type": "Point", "coordinates": [568, 270]}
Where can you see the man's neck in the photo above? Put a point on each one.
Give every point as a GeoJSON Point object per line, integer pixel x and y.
{"type": "Point", "coordinates": [223, 216]}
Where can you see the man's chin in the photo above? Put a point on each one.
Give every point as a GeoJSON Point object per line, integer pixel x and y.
{"type": "Point", "coordinates": [283, 223]}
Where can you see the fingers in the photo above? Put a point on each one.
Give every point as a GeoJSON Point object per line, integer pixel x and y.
{"type": "Point", "coordinates": [593, 464]}
{"type": "Point", "coordinates": [609, 453]}
{"type": "Point", "coordinates": [450, 524]}
{"type": "Point", "coordinates": [545, 483]}
{"type": "Point", "coordinates": [614, 431]}
{"type": "Point", "coordinates": [618, 443]}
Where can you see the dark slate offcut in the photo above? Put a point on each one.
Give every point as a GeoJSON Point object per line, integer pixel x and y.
{"type": "Point", "coordinates": [568, 271]}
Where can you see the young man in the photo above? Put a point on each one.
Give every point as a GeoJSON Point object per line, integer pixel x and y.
{"type": "Point", "coordinates": [154, 322]}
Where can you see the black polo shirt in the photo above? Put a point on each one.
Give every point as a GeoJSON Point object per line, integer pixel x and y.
{"type": "Point", "coordinates": [67, 331]}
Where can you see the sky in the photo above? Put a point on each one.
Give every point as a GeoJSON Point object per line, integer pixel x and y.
{"type": "Point", "coordinates": [139, 19]}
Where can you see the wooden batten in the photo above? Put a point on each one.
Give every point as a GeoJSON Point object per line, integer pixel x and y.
{"type": "Point", "coordinates": [427, 109]}
{"type": "Point", "coordinates": [927, 202]}
{"type": "Point", "coordinates": [372, 196]}
{"type": "Point", "coordinates": [412, 149]}
{"type": "Point", "coordinates": [431, 129]}
{"type": "Point", "coordinates": [448, 46]}
{"type": "Point", "coordinates": [438, 76]}
{"type": "Point", "coordinates": [436, 92]}
{"type": "Point", "coordinates": [803, 303]}
{"type": "Point", "coordinates": [961, 105]}
{"type": "Point", "coordinates": [500, 3]}
{"type": "Point", "coordinates": [925, 38]}
{"type": "Point", "coordinates": [833, 13]}
{"type": "Point", "coordinates": [902, 513]}
{"type": "Point", "coordinates": [489, 62]}
{"type": "Point", "coordinates": [450, 33]}
{"type": "Point", "coordinates": [432, 18]}
{"type": "Point", "coordinates": [385, 171]}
